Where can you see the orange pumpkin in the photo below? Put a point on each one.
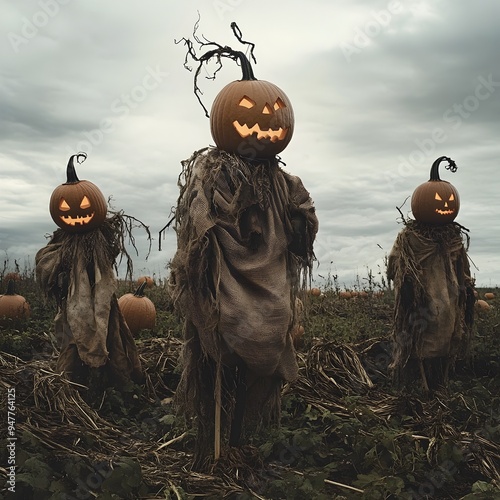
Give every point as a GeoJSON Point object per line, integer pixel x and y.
{"type": "Point", "coordinates": [12, 276]}
{"type": "Point", "coordinates": [13, 307]}
{"type": "Point", "coordinates": [482, 305]}
{"type": "Point", "coordinates": [77, 206]}
{"type": "Point", "coordinates": [489, 295]}
{"type": "Point", "coordinates": [436, 202]}
{"type": "Point", "coordinates": [252, 118]}
{"type": "Point", "coordinates": [138, 310]}
{"type": "Point", "coordinates": [149, 281]}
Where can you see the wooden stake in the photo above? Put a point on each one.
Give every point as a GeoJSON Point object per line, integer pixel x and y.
{"type": "Point", "coordinates": [218, 388]}
{"type": "Point", "coordinates": [422, 374]}
{"type": "Point", "coordinates": [239, 407]}
{"type": "Point", "coordinates": [446, 372]}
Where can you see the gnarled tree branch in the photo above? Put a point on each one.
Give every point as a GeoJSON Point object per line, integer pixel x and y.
{"type": "Point", "coordinates": [217, 52]}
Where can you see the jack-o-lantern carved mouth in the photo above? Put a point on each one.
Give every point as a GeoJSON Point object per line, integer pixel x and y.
{"type": "Point", "coordinates": [79, 219]}
{"type": "Point", "coordinates": [271, 134]}
{"type": "Point", "coordinates": [444, 212]}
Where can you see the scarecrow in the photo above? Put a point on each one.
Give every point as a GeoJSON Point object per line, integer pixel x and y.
{"type": "Point", "coordinates": [76, 268]}
{"type": "Point", "coordinates": [434, 292]}
{"type": "Point", "coordinates": [245, 231]}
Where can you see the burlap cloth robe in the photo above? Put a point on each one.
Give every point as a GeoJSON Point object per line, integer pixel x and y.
{"type": "Point", "coordinates": [434, 294]}
{"type": "Point", "coordinates": [78, 271]}
{"type": "Point", "coordinates": [245, 233]}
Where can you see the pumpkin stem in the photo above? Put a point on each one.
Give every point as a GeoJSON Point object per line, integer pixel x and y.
{"type": "Point", "coordinates": [452, 166]}
{"type": "Point", "coordinates": [71, 177]}
{"type": "Point", "coordinates": [10, 288]}
{"type": "Point", "coordinates": [140, 289]}
{"type": "Point", "coordinates": [246, 67]}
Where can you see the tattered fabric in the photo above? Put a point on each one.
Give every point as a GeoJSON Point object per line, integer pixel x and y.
{"type": "Point", "coordinates": [245, 233]}
{"type": "Point", "coordinates": [77, 270]}
{"type": "Point", "coordinates": [434, 296]}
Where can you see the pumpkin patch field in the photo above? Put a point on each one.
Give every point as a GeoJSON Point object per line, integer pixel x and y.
{"type": "Point", "coordinates": [346, 432]}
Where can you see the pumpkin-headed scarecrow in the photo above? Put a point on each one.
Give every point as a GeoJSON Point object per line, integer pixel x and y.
{"type": "Point", "coordinates": [245, 231]}
{"type": "Point", "coordinates": [434, 292]}
{"type": "Point", "coordinates": [76, 268]}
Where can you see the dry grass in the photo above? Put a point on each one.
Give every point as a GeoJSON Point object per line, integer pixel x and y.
{"type": "Point", "coordinates": [360, 429]}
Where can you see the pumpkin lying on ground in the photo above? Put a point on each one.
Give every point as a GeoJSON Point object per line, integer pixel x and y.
{"type": "Point", "coordinates": [482, 305]}
{"type": "Point", "coordinates": [489, 295]}
{"type": "Point", "coordinates": [149, 281]}
{"type": "Point", "coordinates": [12, 276]}
{"type": "Point", "coordinates": [13, 307]}
{"type": "Point", "coordinates": [138, 310]}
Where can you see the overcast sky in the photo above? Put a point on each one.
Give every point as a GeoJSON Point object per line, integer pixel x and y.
{"type": "Point", "coordinates": [380, 89]}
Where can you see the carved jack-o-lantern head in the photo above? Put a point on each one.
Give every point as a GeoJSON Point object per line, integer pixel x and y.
{"type": "Point", "coordinates": [77, 206]}
{"type": "Point", "coordinates": [250, 117]}
{"type": "Point", "coordinates": [436, 201]}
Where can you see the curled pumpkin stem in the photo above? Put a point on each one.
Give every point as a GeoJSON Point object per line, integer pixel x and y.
{"type": "Point", "coordinates": [452, 167]}
{"type": "Point", "coordinates": [71, 176]}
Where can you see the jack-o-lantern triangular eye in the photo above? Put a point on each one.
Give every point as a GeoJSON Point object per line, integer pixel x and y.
{"type": "Point", "coordinates": [437, 197]}
{"type": "Point", "coordinates": [452, 198]}
{"type": "Point", "coordinates": [279, 104]}
{"type": "Point", "coordinates": [85, 203]}
{"type": "Point", "coordinates": [246, 102]}
{"type": "Point", "coordinates": [63, 205]}
{"type": "Point", "coordinates": [267, 110]}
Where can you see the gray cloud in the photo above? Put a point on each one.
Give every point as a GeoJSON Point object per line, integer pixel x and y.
{"type": "Point", "coordinates": [423, 81]}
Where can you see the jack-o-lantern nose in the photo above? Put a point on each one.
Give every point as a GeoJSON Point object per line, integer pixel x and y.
{"type": "Point", "coordinates": [445, 203]}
